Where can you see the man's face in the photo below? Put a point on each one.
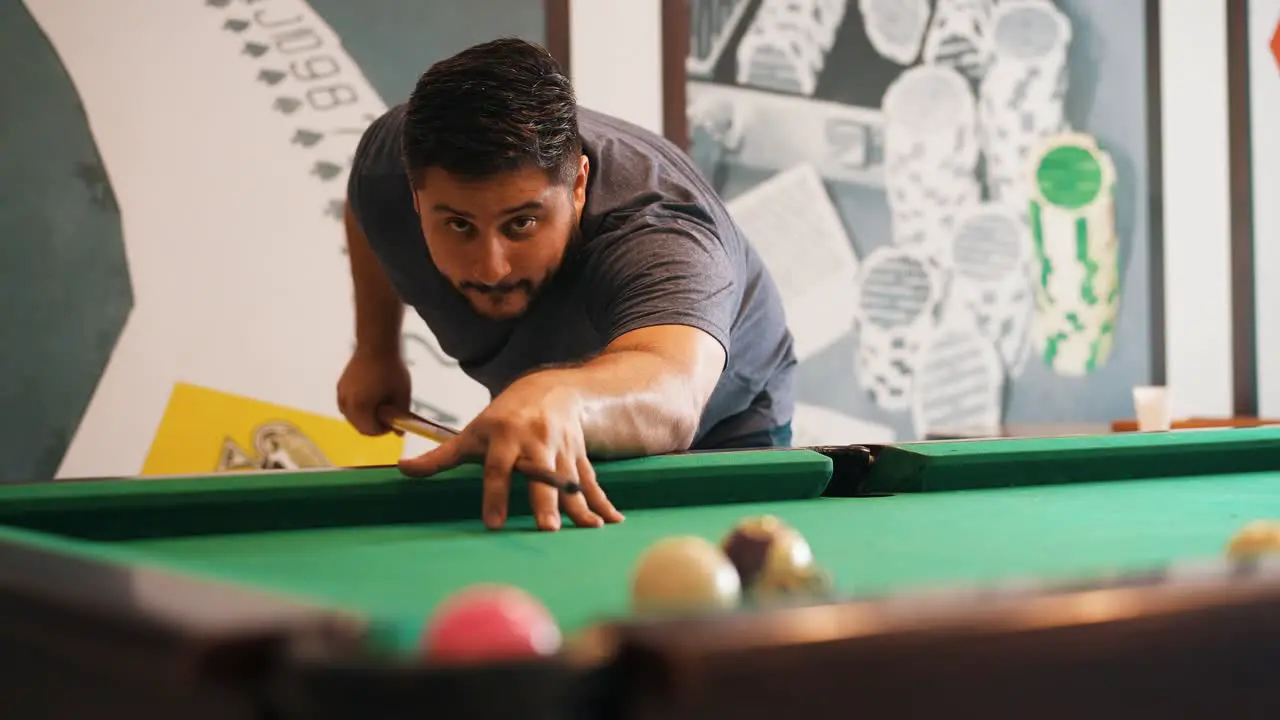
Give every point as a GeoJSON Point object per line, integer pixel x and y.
{"type": "Point", "coordinates": [501, 239]}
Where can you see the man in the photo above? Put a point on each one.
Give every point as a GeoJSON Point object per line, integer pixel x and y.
{"type": "Point", "coordinates": [577, 266]}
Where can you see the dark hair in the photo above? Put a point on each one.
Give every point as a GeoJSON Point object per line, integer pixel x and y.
{"type": "Point", "coordinates": [496, 107]}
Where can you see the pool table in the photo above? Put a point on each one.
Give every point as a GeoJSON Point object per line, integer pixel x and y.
{"type": "Point", "coordinates": [1038, 577]}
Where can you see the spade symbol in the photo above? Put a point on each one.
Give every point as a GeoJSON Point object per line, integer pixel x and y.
{"type": "Point", "coordinates": [270, 77]}
{"type": "Point", "coordinates": [287, 105]}
{"type": "Point", "coordinates": [306, 138]}
{"type": "Point", "coordinates": [325, 170]}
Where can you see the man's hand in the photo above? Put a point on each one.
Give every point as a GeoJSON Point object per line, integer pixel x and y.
{"type": "Point", "coordinates": [372, 379]}
{"type": "Point", "coordinates": [642, 396]}
{"type": "Point", "coordinates": [534, 427]}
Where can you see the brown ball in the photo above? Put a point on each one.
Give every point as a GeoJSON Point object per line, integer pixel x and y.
{"type": "Point", "coordinates": [771, 556]}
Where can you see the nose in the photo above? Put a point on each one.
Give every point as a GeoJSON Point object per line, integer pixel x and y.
{"type": "Point", "coordinates": [491, 263]}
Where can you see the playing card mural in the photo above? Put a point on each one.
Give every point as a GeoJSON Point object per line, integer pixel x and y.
{"type": "Point", "coordinates": [171, 204]}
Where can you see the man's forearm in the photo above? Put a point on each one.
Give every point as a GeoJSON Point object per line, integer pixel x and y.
{"type": "Point", "coordinates": [379, 310]}
{"type": "Point", "coordinates": [632, 403]}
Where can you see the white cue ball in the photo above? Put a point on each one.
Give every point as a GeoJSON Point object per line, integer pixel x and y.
{"type": "Point", "coordinates": [684, 574]}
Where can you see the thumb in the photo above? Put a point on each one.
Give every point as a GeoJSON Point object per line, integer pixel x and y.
{"type": "Point", "coordinates": [439, 459]}
{"type": "Point", "coordinates": [384, 414]}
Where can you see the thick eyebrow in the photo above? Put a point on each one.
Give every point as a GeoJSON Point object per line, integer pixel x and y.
{"type": "Point", "coordinates": [530, 205]}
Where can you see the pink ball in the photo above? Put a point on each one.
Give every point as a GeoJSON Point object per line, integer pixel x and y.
{"type": "Point", "coordinates": [487, 623]}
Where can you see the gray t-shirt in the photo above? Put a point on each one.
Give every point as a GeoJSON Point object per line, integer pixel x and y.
{"type": "Point", "coordinates": [657, 248]}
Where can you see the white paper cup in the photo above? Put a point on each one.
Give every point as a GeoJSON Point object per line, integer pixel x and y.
{"type": "Point", "coordinates": [1151, 406]}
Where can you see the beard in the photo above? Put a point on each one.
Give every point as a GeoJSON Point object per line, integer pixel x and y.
{"type": "Point", "coordinates": [493, 297]}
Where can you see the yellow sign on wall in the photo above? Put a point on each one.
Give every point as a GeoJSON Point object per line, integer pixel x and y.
{"type": "Point", "coordinates": [207, 431]}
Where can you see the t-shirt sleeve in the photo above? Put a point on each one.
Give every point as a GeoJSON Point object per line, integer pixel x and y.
{"type": "Point", "coordinates": [662, 267]}
{"type": "Point", "coordinates": [373, 161]}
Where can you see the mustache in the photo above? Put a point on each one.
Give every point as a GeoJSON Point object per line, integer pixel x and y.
{"type": "Point", "coordinates": [500, 288]}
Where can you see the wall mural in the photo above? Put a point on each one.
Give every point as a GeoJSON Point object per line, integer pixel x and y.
{"type": "Point", "coordinates": [952, 195]}
{"type": "Point", "coordinates": [178, 299]}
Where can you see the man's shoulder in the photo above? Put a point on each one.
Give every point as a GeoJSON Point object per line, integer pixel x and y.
{"type": "Point", "coordinates": [638, 173]}
{"type": "Point", "coordinates": [376, 179]}
{"type": "Point", "coordinates": [378, 152]}
{"type": "Point", "coordinates": [600, 127]}
{"type": "Point", "coordinates": [620, 145]}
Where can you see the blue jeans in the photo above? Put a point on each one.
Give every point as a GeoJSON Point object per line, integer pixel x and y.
{"type": "Point", "coordinates": [779, 436]}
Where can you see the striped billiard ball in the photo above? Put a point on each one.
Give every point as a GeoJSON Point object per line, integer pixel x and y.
{"type": "Point", "coordinates": [771, 557]}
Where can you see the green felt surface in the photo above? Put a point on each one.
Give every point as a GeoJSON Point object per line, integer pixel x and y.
{"type": "Point", "coordinates": [1021, 462]}
{"type": "Point", "coordinates": [870, 545]}
{"type": "Point", "coordinates": [389, 547]}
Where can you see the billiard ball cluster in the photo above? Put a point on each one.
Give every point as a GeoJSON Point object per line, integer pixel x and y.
{"type": "Point", "coordinates": [761, 559]}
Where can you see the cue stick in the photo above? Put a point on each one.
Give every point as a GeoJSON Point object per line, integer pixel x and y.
{"type": "Point", "coordinates": [407, 421]}
{"type": "Point", "coordinates": [414, 424]}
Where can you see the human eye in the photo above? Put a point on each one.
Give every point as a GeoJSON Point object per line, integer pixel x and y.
{"type": "Point", "coordinates": [458, 225]}
{"type": "Point", "coordinates": [524, 225]}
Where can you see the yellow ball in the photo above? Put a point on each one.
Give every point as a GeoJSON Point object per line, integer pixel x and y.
{"type": "Point", "coordinates": [1260, 537]}
{"type": "Point", "coordinates": [684, 574]}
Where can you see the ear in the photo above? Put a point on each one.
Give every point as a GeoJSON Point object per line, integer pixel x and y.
{"type": "Point", "coordinates": [580, 185]}
{"type": "Point", "coordinates": [417, 204]}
